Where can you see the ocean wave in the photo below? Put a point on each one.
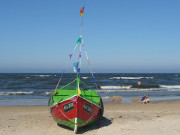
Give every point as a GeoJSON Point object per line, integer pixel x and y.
{"type": "Point", "coordinates": [170, 86]}
{"type": "Point", "coordinates": [42, 75]}
{"type": "Point", "coordinates": [115, 87]}
{"type": "Point", "coordinates": [47, 93]}
{"type": "Point", "coordinates": [16, 93]}
{"type": "Point", "coordinates": [103, 89]}
{"type": "Point", "coordinates": [85, 78]}
{"type": "Point", "coordinates": [115, 78]}
{"type": "Point", "coordinates": [131, 78]}
{"type": "Point", "coordinates": [130, 87]}
{"type": "Point", "coordinates": [126, 90]}
{"type": "Point", "coordinates": [108, 91]}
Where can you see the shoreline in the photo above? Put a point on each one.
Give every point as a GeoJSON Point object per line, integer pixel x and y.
{"type": "Point", "coordinates": [44, 101]}
{"type": "Point", "coordinates": [157, 118]}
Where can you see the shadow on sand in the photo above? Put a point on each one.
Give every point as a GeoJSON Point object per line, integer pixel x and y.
{"type": "Point", "coordinates": [98, 124]}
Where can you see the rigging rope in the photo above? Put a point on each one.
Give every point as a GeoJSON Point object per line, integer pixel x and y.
{"type": "Point", "coordinates": [89, 64]}
{"type": "Point", "coordinates": [59, 80]}
{"type": "Point", "coordinates": [80, 42]}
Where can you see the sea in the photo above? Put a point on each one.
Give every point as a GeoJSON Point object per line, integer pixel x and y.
{"type": "Point", "coordinates": [35, 88]}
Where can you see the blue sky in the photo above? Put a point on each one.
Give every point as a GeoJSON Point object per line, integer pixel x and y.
{"type": "Point", "coordinates": [120, 35]}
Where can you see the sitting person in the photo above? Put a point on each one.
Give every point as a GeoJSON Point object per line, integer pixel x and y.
{"type": "Point", "coordinates": [145, 99]}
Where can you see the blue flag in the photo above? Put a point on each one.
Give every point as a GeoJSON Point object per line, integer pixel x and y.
{"type": "Point", "coordinates": [78, 70]}
{"type": "Point", "coordinates": [94, 79]}
{"type": "Point", "coordinates": [75, 64]}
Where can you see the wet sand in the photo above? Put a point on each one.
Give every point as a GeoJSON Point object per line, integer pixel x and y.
{"type": "Point", "coordinates": [155, 118]}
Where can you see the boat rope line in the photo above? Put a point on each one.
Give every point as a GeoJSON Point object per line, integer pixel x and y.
{"type": "Point", "coordinates": [59, 80]}
{"type": "Point", "coordinates": [73, 97]}
{"type": "Point", "coordinates": [63, 86]}
{"type": "Point", "coordinates": [64, 114]}
{"type": "Point", "coordinates": [89, 65]}
{"type": "Point", "coordinates": [74, 121]}
{"type": "Point", "coordinates": [68, 84]}
{"type": "Point", "coordinates": [71, 119]}
{"type": "Point", "coordinates": [91, 102]}
{"type": "Point", "coordinates": [85, 84]}
{"type": "Point", "coordinates": [77, 97]}
{"type": "Point", "coordinates": [77, 65]}
{"type": "Point", "coordinates": [63, 71]}
{"type": "Point", "coordinates": [80, 43]}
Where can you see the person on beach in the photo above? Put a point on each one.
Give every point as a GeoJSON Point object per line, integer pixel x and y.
{"type": "Point", "coordinates": [145, 99]}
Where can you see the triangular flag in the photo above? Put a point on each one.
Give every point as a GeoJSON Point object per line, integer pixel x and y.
{"type": "Point", "coordinates": [70, 55]}
{"type": "Point", "coordinates": [55, 92]}
{"type": "Point", "coordinates": [75, 64]}
{"type": "Point", "coordinates": [94, 79]}
{"type": "Point", "coordinates": [79, 92]}
{"type": "Point", "coordinates": [78, 70]}
{"type": "Point", "coordinates": [79, 40]}
{"type": "Point", "coordinates": [79, 54]}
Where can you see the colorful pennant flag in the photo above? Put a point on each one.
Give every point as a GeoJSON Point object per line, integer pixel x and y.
{"type": "Point", "coordinates": [94, 79]}
{"type": "Point", "coordinates": [55, 91]}
{"type": "Point", "coordinates": [79, 92]}
{"type": "Point", "coordinates": [79, 40]}
{"type": "Point", "coordinates": [76, 67]}
{"type": "Point", "coordinates": [79, 54]}
{"type": "Point", "coordinates": [82, 11]}
{"type": "Point", "coordinates": [70, 55]}
{"type": "Point", "coordinates": [78, 70]}
{"type": "Point", "coordinates": [76, 64]}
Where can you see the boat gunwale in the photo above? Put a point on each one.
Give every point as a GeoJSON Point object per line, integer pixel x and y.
{"type": "Point", "coordinates": [72, 97]}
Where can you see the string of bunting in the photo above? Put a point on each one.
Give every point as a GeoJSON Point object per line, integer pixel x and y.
{"type": "Point", "coordinates": [76, 65]}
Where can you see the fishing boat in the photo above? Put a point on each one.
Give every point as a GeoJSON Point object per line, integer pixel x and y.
{"type": "Point", "coordinates": [75, 105]}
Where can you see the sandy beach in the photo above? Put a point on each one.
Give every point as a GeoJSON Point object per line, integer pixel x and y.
{"type": "Point", "coordinates": [157, 118]}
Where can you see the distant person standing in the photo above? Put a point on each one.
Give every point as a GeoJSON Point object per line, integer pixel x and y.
{"type": "Point", "coordinates": [145, 99]}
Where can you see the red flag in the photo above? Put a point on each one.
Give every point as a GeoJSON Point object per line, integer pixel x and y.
{"type": "Point", "coordinates": [82, 11]}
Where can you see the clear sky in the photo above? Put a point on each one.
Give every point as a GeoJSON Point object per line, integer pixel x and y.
{"type": "Point", "coordinates": [120, 35]}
